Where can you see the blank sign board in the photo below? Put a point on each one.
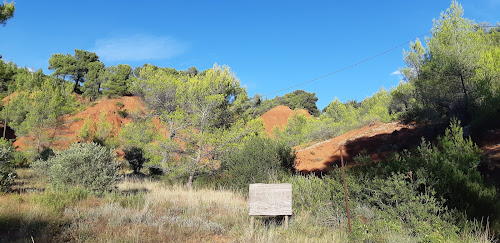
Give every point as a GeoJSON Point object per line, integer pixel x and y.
{"type": "Point", "coordinates": [270, 199]}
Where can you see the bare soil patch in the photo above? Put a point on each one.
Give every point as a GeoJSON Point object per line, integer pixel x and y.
{"type": "Point", "coordinates": [278, 117]}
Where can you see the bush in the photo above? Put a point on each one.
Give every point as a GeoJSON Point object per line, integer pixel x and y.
{"type": "Point", "coordinates": [45, 154]}
{"type": "Point", "coordinates": [450, 168]}
{"type": "Point", "coordinates": [85, 134]}
{"type": "Point", "coordinates": [257, 162]}
{"type": "Point", "coordinates": [135, 158]}
{"type": "Point", "coordinates": [377, 206]}
{"type": "Point", "coordinates": [7, 173]}
{"type": "Point", "coordinates": [20, 159]}
{"type": "Point", "coordinates": [86, 165]}
{"type": "Point", "coordinates": [155, 170]}
{"type": "Point", "coordinates": [119, 104]}
{"type": "Point", "coordinates": [122, 113]}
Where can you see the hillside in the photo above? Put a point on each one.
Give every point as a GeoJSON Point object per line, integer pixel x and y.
{"type": "Point", "coordinates": [72, 123]}
{"type": "Point", "coordinates": [278, 117]}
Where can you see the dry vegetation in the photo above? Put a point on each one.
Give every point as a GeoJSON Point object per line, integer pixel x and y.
{"type": "Point", "coordinates": [146, 211]}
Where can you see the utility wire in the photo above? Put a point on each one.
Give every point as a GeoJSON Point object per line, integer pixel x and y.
{"type": "Point", "coordinates": [363, 61]}
{"type": "Point", "coordinates": [339, 70]}
{"type": "Point", "coordinates": [348, 67]}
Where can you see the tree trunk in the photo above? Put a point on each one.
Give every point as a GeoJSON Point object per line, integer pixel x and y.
{"type": "Point", "coordinates": [189, 183]}
{"type": "Point", "coordinates": [53, 136]}
{"type": "Point", "coordinates": [466, 97]}
{"type": "Point", "coordinates": [38, 142]}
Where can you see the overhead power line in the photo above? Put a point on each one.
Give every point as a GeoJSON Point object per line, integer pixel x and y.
{"type": "Point", "coordinates": [350, 66]}
{"type": "Point", "coordinates": [363, 61]}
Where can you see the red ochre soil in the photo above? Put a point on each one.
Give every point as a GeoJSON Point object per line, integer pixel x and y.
{"type": "Point", "coordinates": [489, 142]}
{"type": "Point", "coordinates": [278, 117]}
{"type": "Point", "coordinates": [68, 132]}
{"type": "Point", "coordinates": [9, 133]}
{"type": "Point", "coordinates": [379, 140]}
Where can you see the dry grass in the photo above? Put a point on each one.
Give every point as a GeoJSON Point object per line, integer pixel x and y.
{"type": "Point", "coordinates": [177, 214]}
{"type": "Point", "coordinates": [21, 219]}
{"type": "Point", "coordinates": [149, 211]}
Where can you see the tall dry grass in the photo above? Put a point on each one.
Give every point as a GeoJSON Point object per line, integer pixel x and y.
{"type": "Point", "coordinates": [178, 214]}
{"type": "Point", "coordinates": [149, 211]}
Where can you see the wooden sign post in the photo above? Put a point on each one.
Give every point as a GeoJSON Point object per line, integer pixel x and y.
{"type": "Point", "coordinates": [270, 200]}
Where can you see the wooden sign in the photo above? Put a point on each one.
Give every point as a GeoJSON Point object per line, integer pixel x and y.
{"type": "Point", "coordinates": [270, 199]}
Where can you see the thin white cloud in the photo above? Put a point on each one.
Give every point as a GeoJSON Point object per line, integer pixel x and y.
{"type": "Point", "coordinates": [138, 48]}
{"type": "Point", "coordinates": [397, 72]}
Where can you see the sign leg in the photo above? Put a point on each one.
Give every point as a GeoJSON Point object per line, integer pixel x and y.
{"type": "Point", "coordinates": [251, 223]}
{"type": "Point", "coordinates": [286, 221]}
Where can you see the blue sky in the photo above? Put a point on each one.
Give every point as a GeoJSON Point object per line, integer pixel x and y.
{"type": "Point", "coordinates": [270, 45]}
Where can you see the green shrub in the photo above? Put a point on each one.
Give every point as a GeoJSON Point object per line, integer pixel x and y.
{"type": "Point", "coordinates": [135, 158]}
{"type": "Point", "coordinates": [257, 161]}
{"type": "Point", "coordinates": [377, 206]}
{"type": "Point", "coordinates": [122, 113]}
{"type": "Point", "coordinates": [85, 134]}
{"type": "Point", "coordinates": [88, 165]}
{"type": "Point", "coordinates": [311, 193]}
{"type": "Point", "coordinates": [20, 159]}
{"type": "Point", "coordinates": [7, 172]}
{"type": "Point", "coordinates": [119, 104]}
{"type": "Point", "coordinates": [45, 154]}
{"type": "Point", "coordinates": [450, 167]}
{"type": "Point", "coordinates": [155, 170]}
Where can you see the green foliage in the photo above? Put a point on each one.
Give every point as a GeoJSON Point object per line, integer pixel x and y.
{"type": "Point", "coordinates": [337, 118]}
{"type": "Point", "coordinates": [94, 78]}
{"type": "Point", "coordinates": [340, 112]}
{"type": "Point", "coordinates": [300, 99]}
{"type": "Point", "coordinates": [117, 80]}
{"type": "Point", "coordinates": [377, 205]}
{"type": "Point", "coordinates": [139, 133]}
{"type": "Point", "coordinates": [119, 104]}
{"type": "Point", "coordinates": [455, 76]}
{"type": "Point", "coordinates": [77, 67]}
{"type": "Point", "coordinates": [135, 158]}
{"type": "Point", "coordinates": [7, 173]}
{"type": "Point", "coordinates": [20, 159]}
{"type": "Point", "coordinates": [201, 110]}
{"type": "Point", "coordinates": [293, 133]}
{"type": "Point", "coordinates": [8, 72]}
{"type": "Point", "coordinates": [85, 134]}
{"type": "Point", "coordinates": [122, 113]}
{"type": "Point", "coordinates": [256, 162]}
{"type": "Point", "coordinates": [311, 193]}
{"type": "Point", "coordinates": [403, 100]}
{"type": "Point", "coordinates": [374, 108]}
{"type": "Point", "coordinates": [35, 113]}
{"type": "Point", "coordinates": [86, 165]}
{"type": "Point", "coordinates": [103, 130]}
{"type": "Point", "coordinates": [451, 169]}
{"type": "Point", "coordinates": [58, 200]}
{"type": "Point", "coordinates": [45, 154]}
{"type": "Point", "coordinates": [6, 12]}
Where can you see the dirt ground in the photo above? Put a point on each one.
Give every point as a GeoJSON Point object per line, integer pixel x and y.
{"type": "Point", "coordinates": [489, 142]}
{"type": "Point", "coordinates": [379, 140]}
{"type": "Point", "coordinates": [278, 117]}
{"type": "Point", "coordinates": [71, 124]}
